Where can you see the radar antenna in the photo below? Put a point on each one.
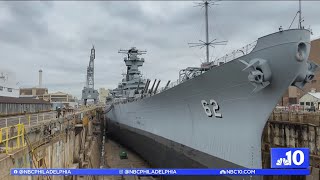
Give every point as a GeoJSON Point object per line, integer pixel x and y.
{"type": "Point", "coordinates": [133, 50]}
{"type": "Point", "coordinates": [201, 44]}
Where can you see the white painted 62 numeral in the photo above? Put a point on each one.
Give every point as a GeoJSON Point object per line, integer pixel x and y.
{"type": "Point", "coordinates": [215, 108]}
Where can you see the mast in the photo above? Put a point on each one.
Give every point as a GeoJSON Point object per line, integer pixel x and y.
{"type": "Point", "coordinates": [207, 42]}
{"type": "Point", "coordinates": [300, 20]}
{"type": "Point", "coordinates": [207, 30]}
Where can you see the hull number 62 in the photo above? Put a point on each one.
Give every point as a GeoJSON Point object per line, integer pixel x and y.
{"type": "Point", "coordinates": [215, 108]}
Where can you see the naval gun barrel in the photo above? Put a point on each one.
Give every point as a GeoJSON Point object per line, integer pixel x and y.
{"type": "Point", "coordinates": [155, 90]}
{"type": "Point", "coordinates": [167, 85]}
{"type": "Point", "coordinates": [146, 86]}
{"type": "Point", "coordinates": [153, 86]}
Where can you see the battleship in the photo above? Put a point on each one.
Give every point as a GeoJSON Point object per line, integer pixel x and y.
{"type": "Point", "coordinates": [213, 116]}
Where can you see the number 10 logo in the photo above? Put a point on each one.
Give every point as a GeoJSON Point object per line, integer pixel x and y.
{"type": "Point", "coordinates": [289, 157]}
{"type": "Point", "coordinates": [292, 157]}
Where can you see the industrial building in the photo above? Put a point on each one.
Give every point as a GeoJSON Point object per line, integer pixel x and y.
{"type": "Point", "coordinates": [58, 99]}
{"type": "Point", "coordinates": [34, 92]}
{"type": "Point", "coordinates": [12, 104]}
{"type": "Point", "coordinates": [15, 106]}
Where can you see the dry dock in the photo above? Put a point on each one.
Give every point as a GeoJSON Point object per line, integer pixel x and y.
{"type": "Point", "coordinates": [293, 129]}
{"type": "Point", "coordinates": [73, 141]}
{"type": "Point", "coordinates": [78, 140]}
{"type": "Point", "coordinates": [113, 160]}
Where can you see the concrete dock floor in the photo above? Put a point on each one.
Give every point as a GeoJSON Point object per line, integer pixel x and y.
{"type": "Point", "coordinates": [112, 160]}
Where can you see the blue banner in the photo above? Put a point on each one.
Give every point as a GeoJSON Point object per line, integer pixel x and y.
{"type": "Point", "coordinates": [159, 172]}
{"type": "Point", "coordinates": [290, 158]}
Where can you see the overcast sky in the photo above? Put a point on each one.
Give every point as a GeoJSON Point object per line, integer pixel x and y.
{"type": "Point", "coordinates": [57, 36]}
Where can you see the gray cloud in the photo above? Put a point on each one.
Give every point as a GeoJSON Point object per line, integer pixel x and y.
{"type": "Point", "coordinates": [57, 36]}
{"type": "Point", "coordinates": [24, 22]}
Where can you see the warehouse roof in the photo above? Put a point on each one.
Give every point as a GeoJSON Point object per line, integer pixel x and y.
{"type": "Point", "coordinates": [21, 100]}
{"type": "Point", "coordinates": [315, 94]}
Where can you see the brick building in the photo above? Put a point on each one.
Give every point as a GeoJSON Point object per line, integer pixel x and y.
{"type": "Point", "coordinates": [33, 92]}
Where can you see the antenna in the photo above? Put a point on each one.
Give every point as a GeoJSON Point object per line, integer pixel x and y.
{"type": "Point", "coordinates": [132, 50]}
{"type": "Point", "coordinates": [300, 18]}
{"type": "Point", "coordinates": [207, 4]}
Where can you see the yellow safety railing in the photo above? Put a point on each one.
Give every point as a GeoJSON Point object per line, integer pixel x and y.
{"type": "Point", "coordinates": [13, 135]}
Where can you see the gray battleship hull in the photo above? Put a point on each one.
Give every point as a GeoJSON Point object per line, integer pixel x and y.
{"type": "Point", "coordinates": [172, 129]}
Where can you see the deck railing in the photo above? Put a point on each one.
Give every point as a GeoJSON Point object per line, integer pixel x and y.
{"type": "Point", "coordinates": [226, 58]}
{"type": "Point", "coordinates": [237, 53]}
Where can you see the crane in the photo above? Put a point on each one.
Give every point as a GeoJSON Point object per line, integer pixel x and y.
{"type": "Point", "coordinates": [88, 91]}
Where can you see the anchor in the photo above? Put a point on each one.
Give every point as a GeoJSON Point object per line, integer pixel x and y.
{"type": "Point", "coordinates": [259, 73]}
{"type": "Point", "coordinates": [306, 76]}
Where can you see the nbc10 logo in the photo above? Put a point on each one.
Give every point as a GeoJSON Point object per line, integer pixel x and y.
{"type": "Point", "coordinates": [290, 158]}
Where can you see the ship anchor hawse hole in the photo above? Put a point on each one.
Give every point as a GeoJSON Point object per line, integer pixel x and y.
{"type": "Point", "coordinates": [301, 52]}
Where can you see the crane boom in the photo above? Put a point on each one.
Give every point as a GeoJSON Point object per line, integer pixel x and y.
{"type": "Point", "coordinates": [88, 91]}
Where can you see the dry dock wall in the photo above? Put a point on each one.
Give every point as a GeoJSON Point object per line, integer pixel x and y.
{"type": "Point", "coordinates": [293, 129]}
{"type": "Point", "coordinates": [75, 145]}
